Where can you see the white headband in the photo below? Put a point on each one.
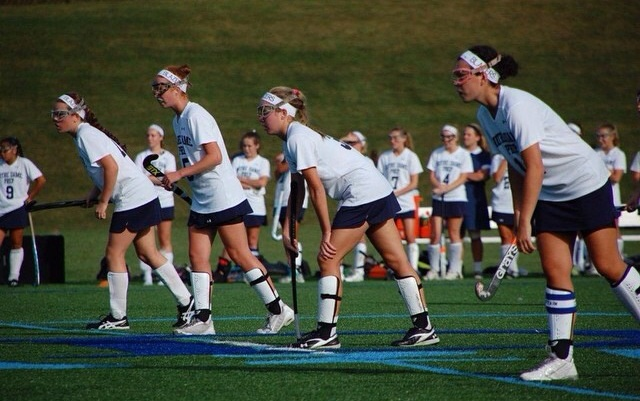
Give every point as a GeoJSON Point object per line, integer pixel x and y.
{"type": "Point", "coordinates": [75, 107]}
{"type": "Point", "coordinates": [157, 128]}
{"type": "Point", "coordinates": [279, 103]}
{"type": "Point", "coordinates": [450, 129]}
{"type": "Point", "coordinates": [477, 63]}
{"type": "Point", "coordinates": [174, 79]}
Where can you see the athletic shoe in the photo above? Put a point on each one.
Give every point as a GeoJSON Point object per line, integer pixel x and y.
{"type": "Point", "coordinates": [273, 323]}
{"type": "Point", "coordinates": [356, 276]}
{"type": "Point", "coordinates": [185, 313]}
{"type": "Point", "coordinates": [592, 271]}
{"type": "Point", "coordinates": [287, 279]}
{"type": "Point", "coordinates": [196, 327]}
{"type": "Point", "coordinates": [432, 275]}
{"type": "Point", "coordinates": [453, 276]}
{"type": "Point", "coordinates": [14, 283]}
{"type": "Point", "coordinates": [110, 323]}
{"type": "Point", "coordinates": [417, 336]}
{"type": "Point", "coordinates": [553, 368]}
{"type": "Point", "coordinates": [313, 340]}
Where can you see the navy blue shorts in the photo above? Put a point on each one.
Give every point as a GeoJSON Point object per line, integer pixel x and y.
{"type": "Point", "coordinates": [373, 213]}
{"type": "Point", "coordinates": [503, 219]}
{"type": "Point", "coordinates": [251, 220]}
{"type": "Point", "coordinates": [167, 213]}
{"type": "Point", "coordinates": [476, 216]}
{"type": "Point", "coordinates": [15, 219]}
{"type": "Point", "coordinates": [233, 215]}
{"type": "Point", "coordinates": [447, 209]}
{"type": "Point", "coordinates": [406, 215]}
{"type": "Point", "coordinates": [283, 213]}
{"type": "Point", "coordinates": [587, 213]}
{"type": "Point", "coordinates": [136, 219]}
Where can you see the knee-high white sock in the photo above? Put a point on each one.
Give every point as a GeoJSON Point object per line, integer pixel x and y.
{"type": "Point", "coordinates": [561, 312]}
{"type": "Point", "coordinates": [328, 299]}
{"type": "Point", "coordinates": [268, 295]}
{"type": "Point", "coordinates": [359, 255]}
{"type": "Point", "coordinates": [169, 276]}
{"type": "Point", "coordinates": [434, 257]}
{"type": "Point", "coordinates": [118, 285]}
{"type": "Point", "coordinates": [167, 254]}
{"type": "Point", "coordinates": [628, 291]}
{"type": "Point", "coordinates": [147, 279]}
{"type": "Point", "coordinates": [455, 257]}
{"type": "Point", "coordinates": [413, 253]}
{"type": "Point", "coordinates": [201, 284]}
{"type": "Point", "coordinates": [16, 257]}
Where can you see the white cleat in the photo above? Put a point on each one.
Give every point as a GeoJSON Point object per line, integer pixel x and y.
{"type": "Point", "coordinates": [273, 323]}
{"type": "Point", "coordinates": [356, 276]}
{"type": "Point", "coordinates": [453, 276]}
{"type": "Point", "coordinates": [196, 327]}
{"type": "Point", "coordinates": [552, 368]}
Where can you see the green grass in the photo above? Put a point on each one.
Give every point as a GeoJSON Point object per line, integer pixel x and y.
{"type": "Point", "coordinates": [363, 65]}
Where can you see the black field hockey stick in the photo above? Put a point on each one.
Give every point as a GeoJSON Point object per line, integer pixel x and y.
{"type": "Point", "coordinates": [507, 259]}
{"type": "Point", "coordinates": [154, 171]}
{"type": "Point", "coordinates": [294, 206]}
{"type": "Point", "coordinates": [34, 207]}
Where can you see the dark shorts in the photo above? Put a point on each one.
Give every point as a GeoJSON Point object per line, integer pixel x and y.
{"type": "Point", "coordinates": [167, 213]}
{"type": "Point", "coordinates": [373, 213]}
{"type": "Point", "coordinates": [406, 215]}
{"type": "Point", "coordinates": [251, 220]}
{"type": "Point", "coordinates": [503, 219]}
{"type": "Point", "coordinates": [15, 219]}
{"type": "Point", "coordinates": [283, 213]}
{"type": "Point", "coordinates": [476, 216]}
{"type": "Point", "coordinates": [136, 219]}
{"type": "Point", "coordinates": [233, 215]}
{"type": "Point", "coordinates": [587, 213]}
{"type": "Point", "coordinates": [447, 209]}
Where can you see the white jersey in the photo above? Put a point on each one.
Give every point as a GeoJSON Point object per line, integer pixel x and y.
{"type": "Point", "coordinates": [253, 169]}
{"type": "Point", "coordinates": [15, 180]}
{"type": "Point", "coordinates": [398, 170]}
{"type": "Point", "coordinates": [346, 174]}
{"type": "Point", "coordinates": [166, 162]}
{"type": "Point", "coordinates": [132, 188]}
{"type": "Point", "coordinates": [572, 168]}
{"type": "Point", "coordinates": [448, 166]}
{"type": "Point", "coordinates": [635, 163]}
{"type": "Point", "coordinates": [215, 189]}
{"type": "Point", "coordinates": [283, 189]}
{"type": "Point", "coordinates": [615, 159]}
{"type": "Point", "coordinates": [501, 197]}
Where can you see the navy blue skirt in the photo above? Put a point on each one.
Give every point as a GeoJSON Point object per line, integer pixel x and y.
{"type": "Point", "coordinates": [447, 209]}
{"type": "Point", "coordinates": [136, 219]}
{"type": "Point", "coordinates": [15, 219]}
{"type": "Point", "coordinates": [233, 215]}
{"type": "Point", "coordinates": [373, 213]}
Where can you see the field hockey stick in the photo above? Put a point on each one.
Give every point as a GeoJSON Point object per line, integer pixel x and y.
{"type": "Point", "coordinates": [295, 203]}
{"type": "Point", "coordinates": [34, 207]}
{"type": "Point", "coordinates": [443, 242]}
{"type": "Point", "coordinates": [507, 259]}
{"type": "Point", "coordinates": [36, 262]}
{"type": "Point", "coordinates": [276, 216]}
{"type": "Point", "coordinates": [154, 171]}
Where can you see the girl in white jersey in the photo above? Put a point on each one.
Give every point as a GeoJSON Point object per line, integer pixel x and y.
{"type": "Point", "coordinates": [20, 182]}
{"type": "Point", "coordinates": [448, 168]}
{"type": "Point", "coordinates": [366, 205]}
{"type": "Point", "coordinates": [166, 161]}
{"type": "Point", "coordinates": [553, 173]}
{"type": "Point", "coordinates": [502, 209]}
{"type": "Point", "coordinates": [116, 178]}
{"type": "Point", "coordinates": [616, 162]}
{"type": "Point", "coordinates": [219, 204]}
{"type": "Point", "coordinates": [401, 167]}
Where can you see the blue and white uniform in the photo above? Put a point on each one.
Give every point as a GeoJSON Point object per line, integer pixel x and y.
{"type": "Point", "coordinates": [572, 168]}
{"type": "Point", "coordinates": [476, 216]}
{"type": "Point", "coordinates": [132, 188]}
{"type": "Point", "coordinates": [218, 188]}
{"type": "Point", "coordinates": [253, 169]}
{"type": "Point", "coordinates": [501, 197]}
{"type": "Point", "coordinates": [347, 175]}
{"type": "Point", "coordinates": [166, 162]}
{"type": "Point", "coordinates": [448, 166]}
{"type": "Point", "coordinates": [398, 170]}
{"type": "Point", "coordinates": [15, 180]}
{"type": "Point", "coordinates": [614, 159]}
